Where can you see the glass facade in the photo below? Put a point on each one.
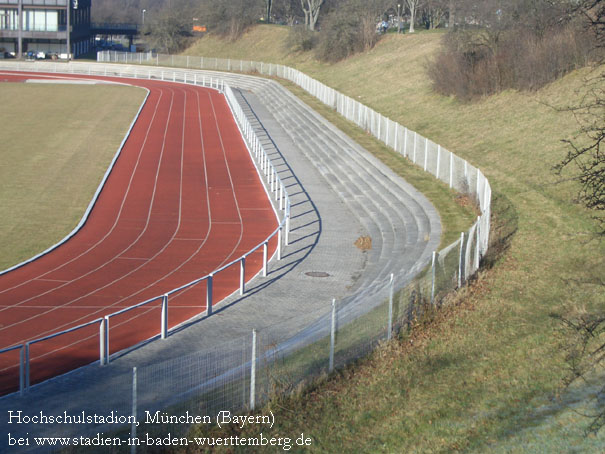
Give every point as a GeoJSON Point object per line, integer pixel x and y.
{"type": "Point", "coordinates": [33, 20]}
{"type": "Point", "coordinates": [43, 26]}
{"type": "Point", "coordinates": [38, 2]}
{"type": "Point", "coordinates": [40, 20]}
{"type": "Point", "coordinates": [9, 19]}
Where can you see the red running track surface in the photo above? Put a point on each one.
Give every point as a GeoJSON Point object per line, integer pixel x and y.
{"type": "Point", "coordinates": [182, 200]}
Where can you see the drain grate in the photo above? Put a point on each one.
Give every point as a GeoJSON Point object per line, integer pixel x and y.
{"type": "Point", "coordinates": [317, 274]}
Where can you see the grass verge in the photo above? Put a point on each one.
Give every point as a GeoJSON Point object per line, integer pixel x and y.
{"type": "Point", "coordinates": [484, 374]}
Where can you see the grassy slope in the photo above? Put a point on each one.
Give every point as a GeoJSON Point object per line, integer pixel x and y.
{"type": "Point", "coordinates": [53, 158]}
{"type": "Point", "coordinates": [479, 377]}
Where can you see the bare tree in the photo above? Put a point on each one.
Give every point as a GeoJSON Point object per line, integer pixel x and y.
{"type": "Point", "coordinates": [230, 18]}
{"type": "Point", "coordinates": [587, 155]}
{"type": "Point", "coordinates": [451, 21]}
{"type": "Point", "coordinates": [269, 6]}
{"type": "Point", "coordinates": [413, 7]}
{"type": "Point", "coordinates": [311, 9]}
{"type": "Point", "coordinates": [368, 12]}
{"type": "Point", "coordinates": [585, 333]}
{"type": "Point", "coordinates": [349, 29]}
{"type": "Point", "coordinates": [169, 30]}
{"type": "Point", "coordinates": [434, 12]}
{"type": "Point", "coordinates": [288, 10]}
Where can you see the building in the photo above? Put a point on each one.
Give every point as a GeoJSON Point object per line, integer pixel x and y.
{"type": "Point", "coordinates": [48, 26]}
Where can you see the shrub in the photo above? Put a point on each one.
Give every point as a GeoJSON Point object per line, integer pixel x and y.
{"type": "Point", "coordinates": [349, 29]}
{"type": "Point", "coordinates": [339, 37]}
{"type": "Point", "coordinates": [300, 39]}
{"type": "Point", "coordinates": [475, 63]}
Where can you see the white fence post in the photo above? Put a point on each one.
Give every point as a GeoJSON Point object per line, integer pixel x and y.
{"type": "Point", "coordinates": [265, 247]}
{"type": "Point", "coordinates": [253, 372]}
{"type": "Point", "coordinates": [426, 153]}
{"type": "Point", "coordinates": [391, 291]}
{"type": "Point", "coordinates": [478, 245]}
{"type": "Point", "coordinates": [433, 278]}
{"type": "Point", "coordinates": [438, 161]}
{"type": "Point", "coordinates": [451, 170]}
{"type": "Point", "coordinates": [332, 336]}
{"type": "Point", "coordinates": [460, 260]}
{"type": "Point", "coordinates": [415, 140]}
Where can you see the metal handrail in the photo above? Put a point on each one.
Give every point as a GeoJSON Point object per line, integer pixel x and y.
{"type": "Point", "coordinates": [276, 186]}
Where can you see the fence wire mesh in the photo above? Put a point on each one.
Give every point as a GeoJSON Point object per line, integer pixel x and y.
{"type": "Point", "coordinates": [248, 371]}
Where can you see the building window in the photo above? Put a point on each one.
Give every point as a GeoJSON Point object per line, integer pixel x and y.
{"type": "Point", "coordinates": [52, 21]}
{"type": "Point", "coordinates": [9, 19]}
{"type": "Point", "coordinates": [40, 20]}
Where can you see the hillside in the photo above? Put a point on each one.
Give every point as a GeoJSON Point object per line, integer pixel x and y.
{"type": "Point", "coordinates": [485, 375]}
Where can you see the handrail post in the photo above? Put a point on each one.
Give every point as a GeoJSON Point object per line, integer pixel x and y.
{"type": "Point", "coordinates": [26, 366]}
{"type": "Point", "coordinates": [209, 295]}
{"type": "Point", "coordinates": [265, 253]}
{"type": "Point", "coordinates": [102, 343]}
{"type": "Point", "coordinates": [133, 425]}
{"type": "Point", "coordinates": [281, 196]}
{"type": "Point", "coordinates": [287, 235]}
{"type": "Point", "coordinates": [107, 339]}
{"type": "Point", "coordinates": [21, 370]}
{"type": "Point", "coordinates": [242, 276]}
{"type": "Point", "coordinates": [164, 321]}
{"type": "Point", "coordinates": [279, 243]}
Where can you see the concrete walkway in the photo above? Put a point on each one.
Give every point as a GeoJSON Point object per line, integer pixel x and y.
{"type": "Point", "coordinates": [339, 193]}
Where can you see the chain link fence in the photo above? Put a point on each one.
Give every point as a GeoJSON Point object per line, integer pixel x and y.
{"type": "Point", "coordinates": [244, 373]}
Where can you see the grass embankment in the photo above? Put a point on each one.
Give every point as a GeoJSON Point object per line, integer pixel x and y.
{"type": "Point", "coordinates": [57, 142]}
{"type": "Point", "coordinates": [484, 375]}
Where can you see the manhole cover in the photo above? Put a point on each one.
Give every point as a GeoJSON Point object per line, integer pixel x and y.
{"type": "Point", "coordinates": [317, 274]}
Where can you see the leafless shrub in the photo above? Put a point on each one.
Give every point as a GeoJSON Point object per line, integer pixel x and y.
{"type": "Point", "coordinates": [478, 63]}
{"type": "Point", "coordinates": [350, 29]}
{"type": "Point", "coordinates": [301, 39]}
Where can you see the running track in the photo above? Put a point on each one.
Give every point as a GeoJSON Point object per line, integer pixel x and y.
{"type": "Point", "coordinates": [183, 199]}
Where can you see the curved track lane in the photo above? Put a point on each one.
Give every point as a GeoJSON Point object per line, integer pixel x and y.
{"type": "Point", "coordinates": [182, 200]}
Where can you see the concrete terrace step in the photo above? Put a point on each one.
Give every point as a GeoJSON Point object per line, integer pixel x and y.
{"type": "Point", "coordinates": [391, 211]}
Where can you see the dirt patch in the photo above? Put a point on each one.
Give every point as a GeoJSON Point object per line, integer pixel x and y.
{"type": "Point", "coordinates": [364, 243]}
{"type": "Point", "coordinates": [465, 201]}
